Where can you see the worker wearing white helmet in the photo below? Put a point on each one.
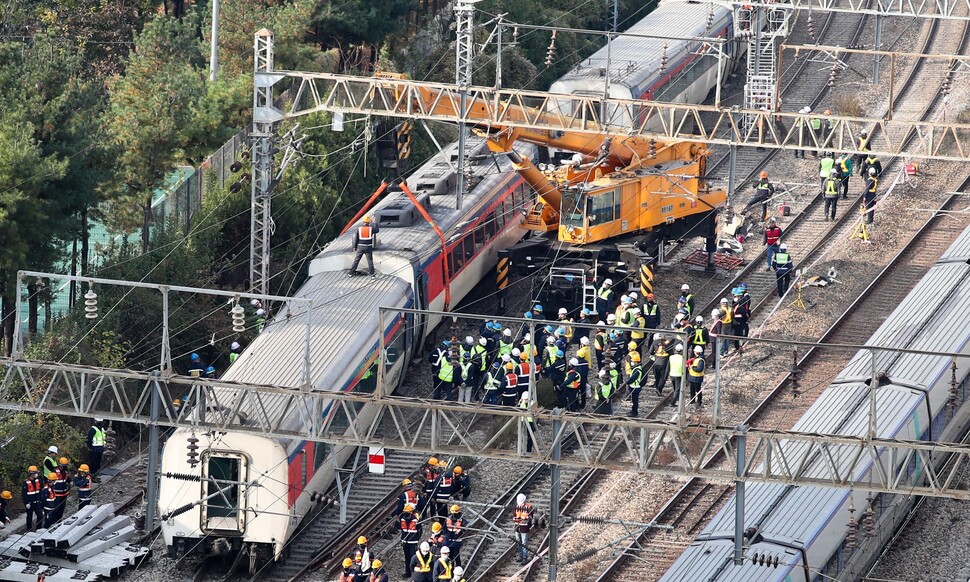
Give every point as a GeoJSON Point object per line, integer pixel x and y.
{"type": "Point", "coordinates": [422, 563]}
{"type": "Point", "coordinates": [783, 265]}
{"type": "Point", "coordinates": [699, 337]}
{"type": "Point", "coordinates": [443, 566]}
{"type": "Point", "coordinates": [604, 297]}
{"type": "Point", "coordinates": [524, 404]}
{"type": "Point", "coordinates": [563, 311]}
{"type": "Point", "coordinates": [686, 300]}
{"type": "Point", "coordinates": [459, 573]}
{"type": "Point", "coordinates": [522, 518]}
{"type": "Point", "coordinates": [676, 371]}
{"type": "Point", "coordinates": [869, 193]}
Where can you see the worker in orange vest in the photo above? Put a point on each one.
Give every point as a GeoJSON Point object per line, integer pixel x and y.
{"type": "Point", "coordinates": [365, 239]}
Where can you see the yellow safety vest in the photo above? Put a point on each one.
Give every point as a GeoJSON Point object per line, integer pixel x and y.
{"type": "Point", "coordinates": [446, 575]}
{"type": "Point", "coordinates": [424, 565]}
{"type": "Point", "coordinates": [831, 188]}
{"type": "Point", "coordinates": [875, 184]}
{"type": "Point", "coordinates": [639, 322]}
{"type": "Point", "coordinates": [676, 365]}
{"type": "Point", "coordinates": [447, 372]}
{"type": "Point", "coordinates": [694, 373]}
{"type": "Point", "coordinates": [727, 315]}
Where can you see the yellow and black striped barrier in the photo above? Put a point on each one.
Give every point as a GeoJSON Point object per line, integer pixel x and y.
{"type": "Point", "coordinates": [646, 280]}
{"type": "Point", "coordinates": [404, 140]}
{"type": "Point", "coordinates": [502, 276]}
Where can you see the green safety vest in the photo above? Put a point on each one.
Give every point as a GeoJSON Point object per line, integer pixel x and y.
{"type": "Point", "coordinates": [636, 376]}
{"type": "Point", "coordinates": [676, 365]}
{"type": "Point", "coordinates": [233, 357]}
{"type": "Point", "coordinates": [447, 372]}
{"type": "Point", "coordinates": [831, 188]}
{"type": "Point", "coordinates": [825, 167]}
{"type": "Point", "coordinates": [614, 378]}
{"type": "Point", "coordinates": [492, 382]}
{"type": "Point", "coordinates": [605, 390]}
{"type": "Point", "coordinates": [504, 348]}
{"type": "Point", "coordinates": [699, 337]}
{"type": "Point", "coordinates": [98, 439]}
{"type": "Point", "coordinates": [605, 293]}
{"type": "Point", "coordinates": [782, 259]}
{"type": "Point", "coordinates": [479, 350]}
{"type": "Point", "coordinates": [816, 123]}
{"type": "Point", "coordinates": [524, 405]}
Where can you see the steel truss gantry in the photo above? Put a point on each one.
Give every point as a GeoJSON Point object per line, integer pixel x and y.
{"type": "Point", "coordinates": [940, 9]}
{"type": "Point", "coordinates": [540, 111]}
{"type": "Point", "coordinates": [619, 444]}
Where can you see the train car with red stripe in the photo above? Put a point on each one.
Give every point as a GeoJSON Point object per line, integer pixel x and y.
{"type": "Point", "coordinates": [428, 254]}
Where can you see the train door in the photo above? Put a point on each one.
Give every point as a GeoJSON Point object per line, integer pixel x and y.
{"type": "Point", "coordinates": [223, 478]}
{"type": "Point", "coordinates": [420, 302]}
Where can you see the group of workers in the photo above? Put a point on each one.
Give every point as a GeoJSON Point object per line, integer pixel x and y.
{"type": "Point", "coordinates": [45, 493]}
{"type": "Point", "coordinates": [615, 355]}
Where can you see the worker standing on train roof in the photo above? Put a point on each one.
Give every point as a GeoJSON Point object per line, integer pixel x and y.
{"type": "Point", "coordinates": [234, 350]}
{"type": "Point", "coordinates": [686, 300]}
{"type": "Point", "coordinates": [422, 563]}
{"type": "Point", "coordinates": [378, 574]}
{"type": "Point", "coordinates": [783, 266]}
{"type": "Point", "coordinates": [30, 494]}
{"type": "Point", "coordinates": [604, 297]}
{"type": "Point", "coordinates": [772, 238]}
{"type": "Point", "coordinates": [83, 483]}
{"type": "Point", "coordinates": [443, 566]}
{"type": "Point", "coordinates": [362, 560]}
{"type": "Point", "coordinates": [196, 367]}
{"type": "Point", "coordinates": [365, 241]}
{"type": "Point", "coordinates": [844, 165]}
{"type": "Point", "coordinates": [831, 194]}
{"type": "Point", "coordinates": [410, 526]}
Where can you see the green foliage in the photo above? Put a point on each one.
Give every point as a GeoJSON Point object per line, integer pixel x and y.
{"type": "Point", "coordinates": [26, 438]}
{"type": "Point", "coordinates": [341, 22]}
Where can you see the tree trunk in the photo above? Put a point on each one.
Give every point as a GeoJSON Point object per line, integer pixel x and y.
{"type": "Point", "coordinates": [32, 307]}
{"type": "Point", "coordinates": [146, 220]}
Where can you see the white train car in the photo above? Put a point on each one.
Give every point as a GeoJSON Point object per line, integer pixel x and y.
{"type": "Point", "coordinates": [280, 480]}
{"type": "Point", "coordinates": [660, 69]}
{"type": "Point", "coordinates": [798, 534]}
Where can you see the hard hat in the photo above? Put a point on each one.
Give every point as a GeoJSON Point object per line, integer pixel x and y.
{"type": "Point", "coordinates": [254, 302]}
{"type": "Point", "coordinates": [52, 476]}
{"type": "Point", "coordinates": [632, 345]}
{"type": "Point", "coordinates": [685, 287]}
{"type": "Point", "coordinates": [679, 348]}
{"type": "Point", "coordinates": [455, 508]}
{"type": "Point", "coordinates": [680, 317]}
{"type": "Point", "coordinates": [586, 311]}
{"type": "Point", "coordinates": [210, 370]}
{"type": "Point", "coordinates": [699, 319]}
{"type": "Point", "coordinates": [635, 356]}
{"type": "Point", "coordinates": [574, 361]}
{"type": "Point", "coordinates": [736, 291]}
{"type": "Point", "coordinates": [489, 325]}
{"type": "Point", "coordinates": [607, 282]}
{"type": "Point", "coordinates": [446, 343]}
{"type": "Point", "coordinates": [459, 571]}
{"type": "Point", "coordinates": [234, 346]}
{"type": "Point", "coordinates": [406, 482]}
{"type": "Point", "coordinates": [610, 318]}
{"type": "Point", "coordinates": [361, 541]}
{"type": "Point", "coordinates": [367, 219]}
{"type": "Point", "coordinates": [764, 174]}
{"type": "Point", "coordinates": [559, 353]}
{"type": "Point", "coordinates": [63, 460]}
{"type": "Point", "coordinates": [563, 311]}
{"type": "Point", "coordinates": [469, 340]}
{"type": "Point", "coordinates": [195, 357]}
{"type": "Point", "coordinates": [520, 498]}
{"type": "Point", "coordinates": [496, 364]}
{"type": "Point", "coordinates": [863, 133]}
{"type": "Point", "coordinates": [612, 365]}
{"type": "Point", "coordinates": [525, 395]}
{"type": "Point", "coordinates": [84, 468]}
{"type": "Point", "coordinates": [507, 332]}
{"type": "Point", "coordinates": [458, 470]}
{"type": "Point", "coordinates": [408, 507]}
{"type": "Point", "coordinates": [805, 110]}
{"type": "Point", "coordinates": [635, 311]}
{"type": "Point", "coordinates": [260, 311]}
{"type": "Point", "coordinates": [537, 307]}
{"type": "Point", "coordinates": [506, 358]}
{"type": "Point", "coordinates": [98, 419]}
{"type": "Point", "coordinates": [549, 329]}
{"type": "Point", "coordinates": [743, 286]}
{"type": "Point", "coordinates": [633, 295]}
{"type": "Point", "coordinates": [527, 337]}
{"type": "Point", "coordinates": [32, 469]}
{"type": "Point", "coordinates": [52, 449]}
{"type": "Point", "coordinates": [176, 402]}
{"type": "Point", "coordinates": [445, 550]}
{"type": "Point", "coordinates": [510, 366]}
{"type": "Point", "coordinates": [436, 527]}
{"type": "Point", "coordinates": [6, 495]}
{"type": "Point", "coordinates": [482, 342]}
{"type": "Point", "coordinates": [425, 547]}
{"type": "Point", "coordinates": [715, 313]}
{"type": "Point", "coordinates": [602, 373]}
{"type": "Point", "coordinates": [625, 299]}
{"type": "Point", "coordinates": [584, 341]}
{"type": "Point", "coordinates": [772, 220]}
{"type": "Point", "coordinates": [376, 564]}
{"type": "Point", "coordinates": [528, 315]}
{"type": "Point", "coordinates": [560, 330]}
{"type": "Point", "coordinates": [657, 337]}
{"type": "Point", "coordinates": [783, 247]}
{"type": "Point", "coordinates": [348, 562]}
{"type": "Point", "coordinates": [523, 356]}
{"type": "Point", "coordinates": [698, 350]}
{"type": "Point", "coordinates": [724, 301]}
{"type": "Point", "coordinates": [433, 461]}
{"type": "Point", "coordinates": [834, 172]}
{"type": "Point", "coordinates": [872, 171]}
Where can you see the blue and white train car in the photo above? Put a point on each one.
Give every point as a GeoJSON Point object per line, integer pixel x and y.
{"type": "Point", "coordinates": [798, 534]}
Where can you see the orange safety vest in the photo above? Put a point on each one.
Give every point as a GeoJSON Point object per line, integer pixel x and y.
{"type": "Point", "coordinates": [521, 514]}
{"type": "Point", "coordinates": [365, 234]}
{"type": "Point", "coordinates": [33, 486]}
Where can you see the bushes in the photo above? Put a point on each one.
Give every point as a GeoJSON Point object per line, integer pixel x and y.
{"type": "Point", "coordinates": [25, 438]}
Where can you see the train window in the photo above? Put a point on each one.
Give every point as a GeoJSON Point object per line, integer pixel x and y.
{"type": "Point", "coordinates": [479, 235]}
{"type": "Point", "coordinates": [604, 208]}
{"type": "Point", "coordinates": [226, 503]}
{"type": "Point", "coordinates": [303, 464]}
{"type": "Point", "coordinates": [489, 227]}
{"type": "Point", "coordinates": [321, 451]}
{"type": "Point", "coordinates": [368, 381]}
{"type": "Point", "coordinates": [457, 258]}
{"type": "Point", "coordinates": [469, 247]}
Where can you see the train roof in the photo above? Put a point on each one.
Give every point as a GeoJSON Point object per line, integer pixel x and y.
{"type": "Point", "coordinates": [633, 60]}
{"type": "Point", "coordinates": [403, 231]}
{"type": "Point", "coordinates": [342, 306]}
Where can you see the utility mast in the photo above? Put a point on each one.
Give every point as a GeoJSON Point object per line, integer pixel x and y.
{"type": "Point", "coordinates": [464, 56]}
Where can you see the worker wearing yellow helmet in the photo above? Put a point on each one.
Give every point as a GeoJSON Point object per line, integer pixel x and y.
{"type": "Point", "coordinates": [377, 573]}
{"type": "Point", "coordinates": [30, 494]}
{"type": "Point", "coordinates": [347, 574]}
{"type": "Point", "coordinates": [407, 497]}
{"type": "Point", "coordinates": [437, 539]}
{"type": "Point", "coordinates": [5, 498]}
{"type": "Point", "coordinates": [50, 500]}
{"type": "Point", "coordinates": [361, 557]}
{"type": "Point", "coordinates": [84, 483]}
{"type": "Point", "coordinates": [455, 524]}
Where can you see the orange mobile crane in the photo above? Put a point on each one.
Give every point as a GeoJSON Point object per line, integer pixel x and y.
{"type": "Point", "coordinates": [616, 193]}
